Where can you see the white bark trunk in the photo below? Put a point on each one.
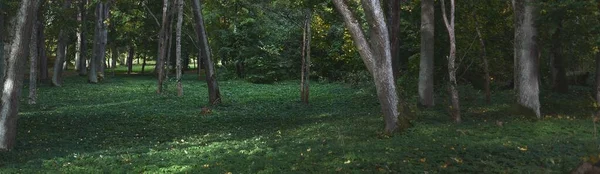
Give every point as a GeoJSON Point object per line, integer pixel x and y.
{"type": "Point", "coordinates": [426, 69]}
{"type": "Point", "coordinates": [178, 46]}
{"type": "Point", "coordinates": [526, 54]}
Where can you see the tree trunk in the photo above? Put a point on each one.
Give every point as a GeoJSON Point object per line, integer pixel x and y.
{"type": "Point", "coordinates": [162, 47]}
{"type": "Point", "coordinates": [144, 63]}
{"type": "Point", "coordinates": [19, 51]}
{"type": "Point", "coordinates": [169, 46]}
{"type": "Point", "coordinates": [376, 55]}
{"type": "Point", "coordinates": [98, 52]}
{"type": "Point", "coordinates": [63, 38]}
{"type": "Point", "coordinates": [130, 60]}
{"type": "Point", "coordinates": [81, 40]}
{"type": "Point", "coordinates": [526, 54]}
{"type": "Point", "coordinates": [43, 62]}
{"type": "Point", "coordinates": [559, 74]}
{"type": "Point", "coordinates": [598, 78]}
{"type": "Point", "coordinates": [214, 95]}
{"type": "Point", "coordinates": [33, 59]}
{"type": "Point", "coordinates": [426, 69]}
{"type": "Point", "coordinates": [393, 21]}
{"type": "Point", "coordinates": [2, 56]}
{"type": "Point", "coordinates": [305, 80]}
{"type": "Point", "coordinates": [454, 100]}
{"type": "Point", "coordinates": [485, 63]}
{"type": "Point", "coordinates": [103, 40]}
{"type": "Point", "coordinates": [113, 60]}
{"type": "Point", "coordinates": [178, 46]}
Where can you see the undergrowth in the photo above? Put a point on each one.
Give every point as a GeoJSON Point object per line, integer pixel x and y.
{"type": "Point", "coordinates": [122, 125]}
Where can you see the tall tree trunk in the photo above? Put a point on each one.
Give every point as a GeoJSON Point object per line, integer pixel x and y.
{"type": "Point", "coordinates": [376, 55]}
{"type": "Point", "coordinates": [559, 74]}
{"type": "Point", "coordinates": [113, 60]}
{"type": "Point", "coordinates": [97, 49]}
{"type": "Point", "coordinates": [130, 59]}
{"type": "Point", "coordinates": [214, 95]}
{"type": "Point", "coordinates": [526, 54]}
{"type": "Point", "coordinates": [19, 51]}
{"type": "Point", "coordinates": [2, 56]}
{"type": "Point", "coordinates": [485, 63]}
{"type": "Point", "coordinates": [61, 51]}
{"type": "Point", "coordinates": [598, 79]}
{"type": "Point", "coordinates": [426, 97]}
{"type": "Point", "coordinates": [454, 99]}
{"type": "Point", "coordinates": [33, 59]}
{"type": "Point", "coordinates": [305, 80]}
{"type": "Point", "coordinates": [144, 63]}
{"type": "Point", "coordinates": [393, 21]}
{"type": "Point", "coordinates": [178, 46]}
{"type": "Point", "coordinates": [103, 40]}
{"type": "Point", "coordinates": [162, 47]}
{"type": "Point", "coordinates": [43, 62]}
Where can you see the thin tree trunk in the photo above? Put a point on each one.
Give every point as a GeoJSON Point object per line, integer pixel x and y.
{"type": "Point", "coordinates": [9, 104]}
{"type": "Point", "coordinates": [526, 53]}
{"type": "Point", "coordinates": [214, 95]}
{"type": "Point", "coordinates": [162, 47]}
{"type": "Point", "coordinates": [178, 46]}
{"type": "Point", "coordinates": [454, 100]}
{"type": "Point", "coordinates": [485, 63]}
{"type": "Point", "coordinates": [305, 80]}
{"type": "Point", "coordinates": [144, 63]}
{"type": "Point", "coordinates": [33, 60]}
{"type": "Point", "coordinates": [598, 78]}
{"type": "Point", "coordinates": [2, 53]}
{"type": "Point", "coordinates": [94, 61]}
{"type": "Point", "coordinates": [113, 60]}
{"type": "Point", "coordinates": [376, 55]}
{"type": "Point", "coordinates": [103, 40]}
{"type": "Point", "coordinates": [130, 60]}
{"type": "Point", "coordinates": [426, 69]}
{"type": "Point", "coordinates": [63, 38]}
{"type": "Point", "coordinates": [393, 16]}
{"type": "Point", "coordinates": [170, 43]}
{"type": "Point", "coordinates": [83, 41]}
{"type": "Point", "coordinates": [43, 63]}
{"type": "Point", "coordinates": [559, 74]}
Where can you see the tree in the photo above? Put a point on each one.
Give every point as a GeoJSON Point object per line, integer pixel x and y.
{"type": "Point", "coordinates": [305, 72]}
{"type": "Point", "coordinates": [34, 55]}
{"type": "Point", "coordinates": [393, 21]}
{"type": "Point", "coordinates": [527, 84]}
{"type": "Point", "coordinates": [376, 55]}
{"type": "Point", "coordinates": [454, 100]}
{"type": "Point", "coordinates": [61, 51]}
{"type": "Point", "coordinates": [557, 65]}
{"type": "Point", "coordinates": [100, 39]}
{"type": "Point", "coordinates": [214, 95]}
{"type": "Point", "coordinates": [43, 62]}
{"type": "Point", "coordinates": [485, 62]}
{"type": "Point", "coordinates": [426, 69]}
{"type": "Point", "coordinates": [82, 43]}
{"type": "Point", "coordinates": [178, 46]}
{"type": "Point", "coordinates": [19, 51]}
{"type": "Point", "coordinates": [162, 47]}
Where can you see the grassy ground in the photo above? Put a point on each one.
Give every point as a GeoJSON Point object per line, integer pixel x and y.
{"type": "Point", "coordinates": [121, 125]}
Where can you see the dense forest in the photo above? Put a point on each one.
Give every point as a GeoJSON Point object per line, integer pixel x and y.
{"type": "Point", "coordinates": [272, 86]}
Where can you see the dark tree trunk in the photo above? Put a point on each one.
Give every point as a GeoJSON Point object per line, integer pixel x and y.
{"type": "Point", "coordinates": [393, 21]}
{"type": "Point", "coordinates": [525, 55]}
{"type": "Point", "coordinates": [113, 60]}
{"type": "Point", "coordinates": [43, 65]}
{"type": "Point", "coordinates": [426, 69]}
{"type": "Point", "coordinates": [130, 60]}
{"type": "Point", "coordinates": [454, 97]}
{"type": "Point", "coordinates": [305, 80]}
{"type": "Point", "coordinates": [19, 51]}
{"type": "Point", "coordinates": [214, 95]}
{"type": "Point", "coordinates": [33, 59]}
{"type": "Point", "coordinates": [178, 46]}
{"type": "Point", "coordinates": [598, 78]}
{"type": "Point", "coordinates": [2, 56]}
{"type": "Point", "coordinates": [99, 50]}
{"type": "Point", "coordinates": [485, 63]}
{"type": "Point", "coordinates": [144, 64]}
{"type": "Point", "coordinates": [61, 51]}
{"type": "Point", "coordinates": [559, 74]}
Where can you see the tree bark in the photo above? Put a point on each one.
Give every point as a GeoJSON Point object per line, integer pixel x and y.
{"type": "Point", "coordinates": [61, 52]}
{"type": "Point", "coordinates": [560, 83]}
{"type": "Point", "coordinates": [214, 95]}
{"type": "Point", "coordinates": [525, 54]}
{"type": "Point", "coordinates": [99, 49]}
{"type": "Point", "coordinates": [81, 40]}
{"type": "Point", "coordinates": [376, 55]}
{"type": "Point", "coordinates": [130, 60]}
{"type": "Point", "coordinates": [393, 21]}
{"type": "Point", "coordinates": [178, 46]}
{"type": "Point", "coordinates": [485, 63]}
{"type": "Point", "coordinates": [105, 11]}
{"type": "Point", "coordinates": [43, 62]}
{"type": "Point", "coordinates": [305, 80]}
{"type": "Point", "coordinates": [426, 69]}
{"type": "Point", "coordinates": [9, 104]}
{"type": "Point", "coordinates": [598, 78]}
{"type": "Point", "coordinates": [33, 59]}
{"type": "Point", "coordinates": [113, 60]}
{"type": "Point", "coordinates": [162, 47]}
{"type": "Point", "coordinates": [454, 97]}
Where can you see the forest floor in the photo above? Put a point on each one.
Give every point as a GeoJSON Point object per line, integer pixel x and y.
{"type": "Point", "coordinates": [121, 125]}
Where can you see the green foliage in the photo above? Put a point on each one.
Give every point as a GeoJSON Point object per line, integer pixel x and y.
{"type": "Point", "coordinates": [121, 126]}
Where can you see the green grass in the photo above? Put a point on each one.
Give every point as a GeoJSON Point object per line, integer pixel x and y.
{"type": "Point", "coordinates": [121, 125]}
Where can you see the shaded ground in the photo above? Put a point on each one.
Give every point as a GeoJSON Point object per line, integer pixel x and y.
{"type": "Point", "coordinates": [121, 125]}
